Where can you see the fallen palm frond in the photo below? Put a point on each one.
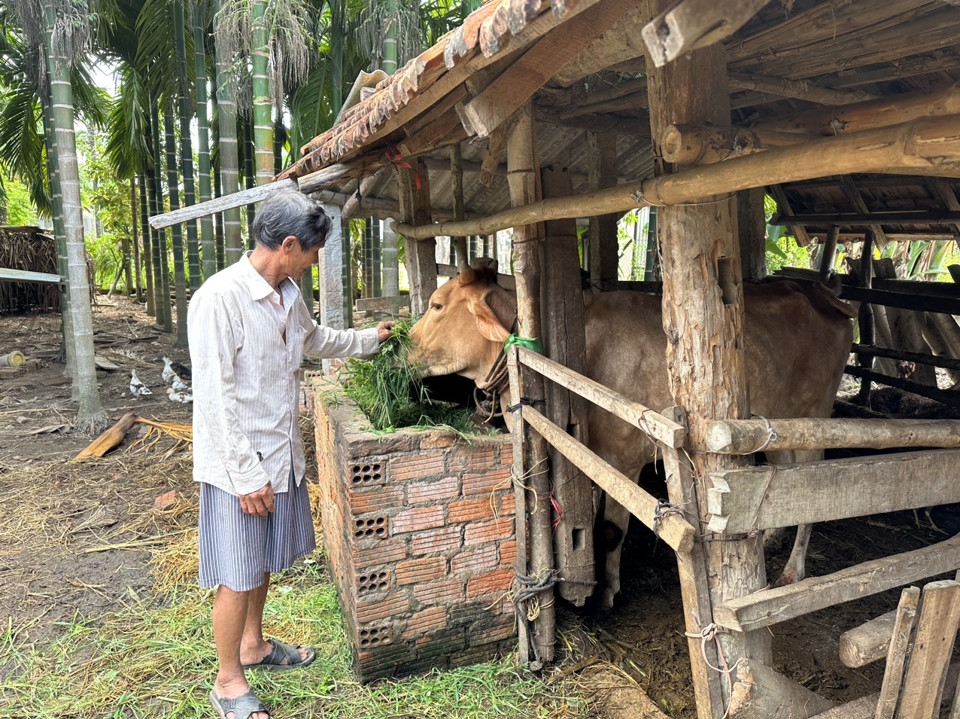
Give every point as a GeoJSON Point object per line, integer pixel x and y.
{"type": "Point", "coordinates": [389, 390]}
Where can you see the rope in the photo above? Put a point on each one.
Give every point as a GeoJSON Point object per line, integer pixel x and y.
{"type": "Point", "coordinates": [525, 401]}
{"type": "Point", "coordinates": [707, 634]}
{"type": "Point", "coordinates": [530, 343]}
{"type": "Point", "coordinates": [664, 509]}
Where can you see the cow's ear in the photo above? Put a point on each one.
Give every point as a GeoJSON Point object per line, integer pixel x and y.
{"type": "Point", "coordinates": [487, 323]}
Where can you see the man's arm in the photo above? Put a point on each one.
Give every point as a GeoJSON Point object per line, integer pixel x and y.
{"type": "Point", "coordinates": [321, 341]}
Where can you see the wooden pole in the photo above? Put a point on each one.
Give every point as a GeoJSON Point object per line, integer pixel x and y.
{"type": "Point", "coordinates": [565, 342]}
{"type": "Point", "coordinates": [752, 226]}
{"type": "Point", "coordinates": [523, 175]}
{"type": "Point", "coordinates": [928, 146]}
{"type": "Point", "coordinates": [865, 316]}
{"type": "Point", "coordinates": [456, 179]}
{"type": "Point", "coordinates": [703, 314]}
{"type": "Point", "coordinates": [829, 253]}
{"type": "Point", "coordinates": [421, 257]}
{"type": "Point", "coordinates": [603, 228]}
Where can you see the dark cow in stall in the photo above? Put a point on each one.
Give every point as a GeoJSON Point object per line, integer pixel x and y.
{"type": "Point", "coordinates": [797, 342]}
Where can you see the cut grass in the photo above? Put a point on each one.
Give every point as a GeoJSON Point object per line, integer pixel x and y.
{"type": "Point", "coordinates": [388, 390]}
{"type": "Point", "coordinates": [158, 661]}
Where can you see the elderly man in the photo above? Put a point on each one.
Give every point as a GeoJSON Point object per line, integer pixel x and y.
{"type": "Point", "coordinates": [249, 329]}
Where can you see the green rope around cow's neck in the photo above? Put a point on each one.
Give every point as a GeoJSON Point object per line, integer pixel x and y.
{"type": "Point", "coordinates": [530, 343]}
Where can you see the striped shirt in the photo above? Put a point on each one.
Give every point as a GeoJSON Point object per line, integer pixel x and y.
{"type": "Point", "coordinates": [246, 348]}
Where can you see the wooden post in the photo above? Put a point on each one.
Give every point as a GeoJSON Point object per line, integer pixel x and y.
{"type": "Point", "coordinates": [523, 175]}
{"type": "Point", "coordinates": [828, 253]}
{"type": "Point", "coordinates": [522, 529]}
{"type": "Point", "coordinates": [753, 228]}
{"type": "Point", "coordinates": [603, 228]}
{"type": "Point", "coordinates": [865, 315]}
{"type": "Point", "coordinates": [414, 183]}
{"type": "Point", "coordinates": [703, 317]}
{"type": "Point", "coordinates": [565, 343]}
{"type": "Point", "coordinates": [456, 179]}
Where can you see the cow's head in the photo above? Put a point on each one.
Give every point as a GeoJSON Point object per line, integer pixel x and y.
{"type": "Point", "coordinates": [465, 324]}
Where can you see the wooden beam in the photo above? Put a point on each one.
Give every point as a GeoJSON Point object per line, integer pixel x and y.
{"type": "Point", "coordinates": [703, 145]}
{"type": "Point", "coordinates": [799, 89]}
{"type": "Point", "coordinates": [920, 217]}
{"type": "Point", "coordinates": [867, 643]}
{"type": "Point", "coordinates": [745, 436]}
{"type": "Point", "coordinates": [620, 42]}
{"type": "Point", "coordinates": [659, 428]}
{"type": "Point", "coordinates": [918, 302]}
{"type": "Point", "coordinates": [8, 274]}
{"type": "Point", "coordinates": [936, 361]}
{"type": "Point", "coordinates": [693, 24]}
{"type": "Point", "coordinates": [780, 604]}
{"type": "Point", "coordinates": [673, 529]}
{"type": "Point", "coordinates": [761, 693]}
{"type": "Point", "coordinates": [604, 258]}
{"type": "Point", "coordinates": [517, 84]}
{"type": "Point", "coordinates": [855, 197]}
{"type": "Point", "coordinates": [799, 231]}
{"type": "Point", "coordinates": [947, 397]}
{"type": "Point", "coordinates": [882, 112]}
{"type": "Point", "coordinates": [414, 187]}
{"type": "Point", "coordinates": [785, 495]}
{"type": "Point", "coordinates": [927, 146]}
{"type": "Point", "coordinates": [228, 202]}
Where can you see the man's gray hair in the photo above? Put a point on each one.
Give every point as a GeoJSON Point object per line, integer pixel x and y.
{"type": "Point", "coordinates": [290, 212]}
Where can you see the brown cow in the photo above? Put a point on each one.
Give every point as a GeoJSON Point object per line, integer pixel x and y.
{"type": "Point", "coordinates": [797, 342]}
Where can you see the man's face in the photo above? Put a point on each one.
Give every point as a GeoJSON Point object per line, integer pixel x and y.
{"type": "Point", "coordinates": [297, 260]}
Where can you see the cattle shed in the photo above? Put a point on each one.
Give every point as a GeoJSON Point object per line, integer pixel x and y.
{"type": "Point", "coordinates": [538, 115]}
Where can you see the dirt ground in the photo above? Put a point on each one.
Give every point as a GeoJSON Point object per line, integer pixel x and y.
{"type": "Point", "coordinates": [74, 537]}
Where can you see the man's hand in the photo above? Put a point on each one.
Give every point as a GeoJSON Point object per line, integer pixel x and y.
{"type": "Point", "coordinates": [384, 330]}
{"type": "Point", "coordinates": [259, 503]}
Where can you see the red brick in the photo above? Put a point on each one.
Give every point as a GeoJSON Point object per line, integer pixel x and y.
{"type": "Point", "coordinates": [488, 531]}
{"type": "Point", "coordinates": [417, 519]}
{"type": "Point", "coordinates": [437, 440]}
{"type": "Point", "coordinates": [382, 551]}
{"type": "Point", "coordinates": [375, 500]}
{"type": "Point", "coordinates": [503, 627]}
{"type": "Point", "coordinates": [428, 620]}
{"type": "Point", "coordinates": [384, 609]}
{"type": "Point", "coordinates": [436, 540]}
{"type": "Point", "coordinates": [486, 482]}
{"type": "Point", "coordinates": [508, 553]}
{"type": "Point", "coordinates": [418, 571]}
{"type": "Point", "coordinates": [499, 580]}
{"type": "Point", "coordinates": [474, 561]}
{"type": "Point", "coordinates": [417, 466]}
{"type": "Point", "coordinates": [433, 492]}
{"type": "Point", "coordinates": [470, 510]}
{"type": "Point", "coordinates": [508, 504]}
{"type": "Point", "coordinates": [480, 455]}
{"type": "Point", "coordinates": [447, 592]}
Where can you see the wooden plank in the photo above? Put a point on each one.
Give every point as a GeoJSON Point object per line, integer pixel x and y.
{"type": "Point", "coordinates": [862, 708]}
{"type": "Point", "coordinates": [916, 302]}
{"type": "Point", "coordinates": [653, 423]}
{"type": "Point", "coordinates": [779, 604]}
{"type": "Point", "coordinates": [785, 495]}
{"type": "Point", "coordinates": [935, 360]}
{"type": "Point", "coordinates": [927, 666]}
{"type": "Point", "coordinates": [219, 204]}
{"type": "Point", "coordinates": [694, 24]}
{"type": "Point", "coordinates": [867, 643]}
{"type": "Point", "coordinates": [516, 85]}
{"type": "Point", "coordinates": [694, 584]}
{"type": "Point", "coordinates": [525, 649]}
{"type": "Point", "coordinates": [799, 89]}
{"type": "Point", "coordinates": [673, 529]}
{"type": "Point", "coordinates": [8, 274]}
{"type": "Point", "coordinates": [745, 436]}
{"type": "Point", "coordinates": [946, 397]}
{"type": "Point", "coordinates": [906, 617]}
{"type": "Point", "coordinates": [566, 344]}
{"type": "Point", "coordinates": [920, 217]}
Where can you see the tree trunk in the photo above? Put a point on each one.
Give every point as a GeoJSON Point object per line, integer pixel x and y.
{"type": "Point", "coordinates": [161, 267]}
{"type": "Point", "coordinates": [186, 144]}
{"type": "Point", "coordinates": [129, 279]}
{"type": "Point", "coordinates": [179, 276]}
{"type": "Point", "coordinates": [229, 163]}
{"type": "Point", "coordinates": [147, 254]}
{"type": "Point", "coordinates": [262, 115]}
{"type": "Point", "coordinates": [208, 248]}
{"type": "Point", "coordinates": [90, 416]}
{"type": "Point", "coordinates": [391, 264]}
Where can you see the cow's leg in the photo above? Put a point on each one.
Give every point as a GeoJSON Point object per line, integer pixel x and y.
{"type": "Point", "coordinates": [796, 566]}
{"type": "Point", "coordinates": [616, 521]}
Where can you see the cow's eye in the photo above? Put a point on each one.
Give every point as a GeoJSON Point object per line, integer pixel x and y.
{"type": "Point", "coordinates": [436, 306]}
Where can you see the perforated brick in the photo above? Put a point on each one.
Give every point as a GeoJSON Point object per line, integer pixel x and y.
{"type": "Point", "coordinates": [365, 475]}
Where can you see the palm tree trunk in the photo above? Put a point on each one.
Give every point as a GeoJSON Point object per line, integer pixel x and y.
{"type": "Point", "coordinates": [147, 253]}
{"type": "Point", "coordinates": [135, 283]}
{"type": "Point", "coordinates": [391, 36]}
{"type": "Point", "coordinates": [249, 172]}
{"type": "Point", "coordinates": [186, 144]}
{"type": "Point", "coordinates": [90, 417]}
{"type": "Point", "coordinates": [229, 167]}
{"type": "Point", "coordinates": [208, 249]}
{"type": "Point", "coordinates": [161, 268]}
{"type": "Point", "coordinates": [53, 174]}
{"type": "Point", "coordinates": [262, 120]}
{"type": "Point", "coordinates": [180, 280]}
{"type": "Point", "coordinates": [279, 131]}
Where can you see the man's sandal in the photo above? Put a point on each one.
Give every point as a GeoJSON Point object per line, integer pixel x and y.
{"type": "Point", "coordinates": [243, 706]}
{"type": "Point", "coordinates": [279, 652]}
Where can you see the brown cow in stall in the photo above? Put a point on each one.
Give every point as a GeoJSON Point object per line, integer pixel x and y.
{"type": "Point", "coordinates": [797, 342]}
